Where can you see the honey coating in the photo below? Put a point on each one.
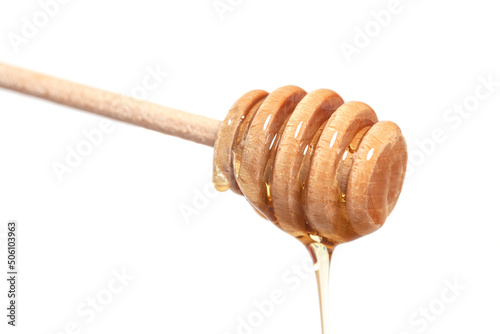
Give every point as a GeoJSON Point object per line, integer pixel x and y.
{"type": "Point", "coordinates": [320, 169]}
{"type": "Point", "coordinates": [324, 171]}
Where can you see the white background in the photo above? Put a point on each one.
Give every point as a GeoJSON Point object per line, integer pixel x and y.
{"type": "Point", "coordinates": [120, 209]}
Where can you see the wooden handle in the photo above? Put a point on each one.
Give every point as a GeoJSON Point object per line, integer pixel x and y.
{"type": "Point", "coordinates": [315, 166]}
{"type": "Point", "coordinates": [151, 116]}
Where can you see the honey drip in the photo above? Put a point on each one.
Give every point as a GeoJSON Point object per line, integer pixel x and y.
{"type": "Point", "coordinates": [321, 255]}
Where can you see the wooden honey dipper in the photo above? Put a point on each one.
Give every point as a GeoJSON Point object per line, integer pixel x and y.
{"type": "Point", "coordinates": [322, 170]}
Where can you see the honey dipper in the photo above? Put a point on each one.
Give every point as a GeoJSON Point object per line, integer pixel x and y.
{"type": "Point", "coordinates": [324, 171]}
